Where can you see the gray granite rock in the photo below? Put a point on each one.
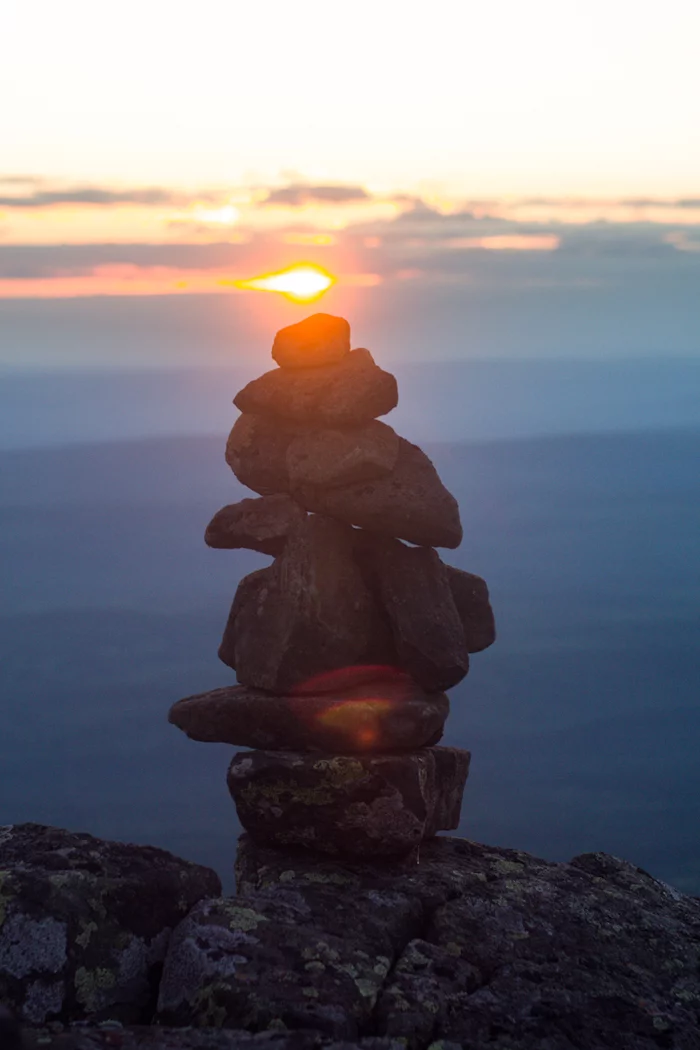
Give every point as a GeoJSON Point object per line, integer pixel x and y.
{"type": "Point", "coordinates": [321, 339]}
{"type": "Point", "coordinates": [414, 589]}
{"type": "Point", "coordinates": [471, 597]}
{"type": "Point", "coordinates": [255, 524]}
{"type": "Point", "coordinates": [380, 805]}
{"type": "Point", "coordinates": [347, 394]}
{"type": "Point", "coordinates": [386, 713]}
{"type": "Point", "coordinates": [329, 458]}
{"type": "Point", "coordinates": [84, 923]}
{"type": "Point", "coordinates": [256, 452]}
{"type": "Point", "coordinates": [309, 612]}
{"type": "Point", "coordinates": [513, 952]}
{"type": "Point", "coordinates": [411, 503]}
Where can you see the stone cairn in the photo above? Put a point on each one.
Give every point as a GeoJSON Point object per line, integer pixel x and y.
{"type": "Point", "coordinates": [344, 646]}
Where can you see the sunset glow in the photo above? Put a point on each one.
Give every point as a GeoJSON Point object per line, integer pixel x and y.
{"type": "Point", "coordinates": [303, 283]}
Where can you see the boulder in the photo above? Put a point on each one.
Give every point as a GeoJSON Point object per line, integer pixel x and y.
{"type": "Point", "coordinates": [384, 714]}
{"type": "Point", "coordinates": [329, 458]}
{"type": "Point", "coordinates": [411, 503]}
{"type": "Point", "coordinates": [372, 805]}
{"type": "Point", "coordinates": [317, 340]}
{"type": "Point", "coordinates": [254, 524]}
{"type": "Point", "coordinates": [471, 597]}
{"type": "Point", "coordinates": [84, 923]}
{"type": "Point", "coordinates": [308, 613]}
{"type": "Point", "coordinates": [513, 951]}
{"type": "Point", "coordinates": [346, 394]}
{"type": "Point", "coordinates": [413, 587]}
{"type": "Point", "coordinates": [256, 452]}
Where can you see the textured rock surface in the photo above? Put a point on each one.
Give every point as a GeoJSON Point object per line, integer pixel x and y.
{"type": "Point", "coordinates": [410, 503]}
{"type": "Point", "coordinates": [321, 339]}
{"type": "Point", "coordinates": [495, 948]}
{"type": "Point", "coordinates": [342, 457]}
{"type": "Point", "coordinates": [255, 524]}
{"type": "Point", "coordinates": [84, 923]}
{"type": "Point", "coordinates": [357, 805]}
{"type": "Point", "coordinates": [309, 612]}
{"type": "Point", "coordinates": [372, 716]}
{"type": "Point", "coordinates": [414, 589]}
{"type": "Point", "coordinates": [256, 452]}
{"type": "Point", "coordinates": [162, 1038]}
{"type": "Point", "coordinates": [471, 597]}
{"type": "Point", "coordinates": [347, 394]}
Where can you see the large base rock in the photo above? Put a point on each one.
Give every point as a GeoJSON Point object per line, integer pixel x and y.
{"type": "Point", "coordinates": [359, 805]}
{"type": "Point", "coordinates": [84, 923]}
{"type": "Point", "coordinates": [465, 946]}
{"type": "Point", "coordinates": [380, 715]}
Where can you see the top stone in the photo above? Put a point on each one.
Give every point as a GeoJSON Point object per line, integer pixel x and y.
{"type": "Point", "coordinates": [318, 340]}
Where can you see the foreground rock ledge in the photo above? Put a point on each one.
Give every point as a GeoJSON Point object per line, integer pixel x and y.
{"type": "Point", "coordinates": [464, 946]}
{"type": "Point", "coordinates": [85, 923]}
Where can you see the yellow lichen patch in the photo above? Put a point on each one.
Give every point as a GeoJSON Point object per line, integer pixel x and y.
{"type": "Point", "coordinates": [210, 1013]}
{"type": "Point", "coordinates": [243, 919]}
{"type": "Point", "coordinates": [90, 983]}
{"type": "Point", "coordinates": [83, 938]}
{"type": "Point", "coordinates": [340, 770]}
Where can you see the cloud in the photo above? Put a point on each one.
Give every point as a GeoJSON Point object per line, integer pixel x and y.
{"type": "Point", "coordinates": [298, 195]}
{"type": "Point", "coordinates": [95, 195]}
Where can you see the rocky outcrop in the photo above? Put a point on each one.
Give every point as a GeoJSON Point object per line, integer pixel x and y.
{"type": "Point", "coordinates": [85, 924]}
{"type": "Point", "coordinates": [460, 945]}
{"type": "Point", "coordinates": [161, 1038]}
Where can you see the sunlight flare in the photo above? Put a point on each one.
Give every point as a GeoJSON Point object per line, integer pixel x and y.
{"type": "Point", "coordinates": [302, 283]}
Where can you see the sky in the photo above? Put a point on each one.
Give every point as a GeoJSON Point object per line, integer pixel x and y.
{"type": "Point", "coordinates": [154, 150]}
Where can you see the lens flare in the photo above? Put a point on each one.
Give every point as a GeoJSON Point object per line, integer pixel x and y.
{"type": "Point", "coordinates": [302, 283]}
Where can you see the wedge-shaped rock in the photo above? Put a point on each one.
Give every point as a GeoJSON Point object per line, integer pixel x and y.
{"type": "Point", "coordinates": [414, 589]}
{"type": "Point", "coordinates": [471, 596]}
{"type": "Point", "coordinates": [255, 524]}
{"type": "Point", "coordinates": [349, 805]}
{"type": "Point", "coordinates": [309, 612]}
{"type": "Point", "coordinates": [385, 714]}
{"type": "Point", "coordinates": [329, 458]}
{"type": "Point", "coordinates": [321, 339]}
{"type": "Point", "coordinates": [256, 452]}
{"type": "Point", "coordinates": [346, 394]}
{"type": "Point", "coordinates": [411, 502]}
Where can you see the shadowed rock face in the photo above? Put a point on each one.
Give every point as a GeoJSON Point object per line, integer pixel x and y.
{"type": "Point", "coordinates": [414, 590]}
{"type": "Point", "coordinates": [333, 458]}
{"type": "Point", "coordinates": [471, 598]}
{"type": "Point", "coordinates": [369, 805]}
{"type": "Point", "coordinates": [309, 612]}
{"type": "Point", "coordinates": [347, 394]}
{"type": "Point", "coordinates": [461, 946]}
{"type": "Point", "coordinates": [84, 923]}
{"type": "Point", "coordinates": [162, 1038]}
{"type": "Point", "coordinates": [375, 716]}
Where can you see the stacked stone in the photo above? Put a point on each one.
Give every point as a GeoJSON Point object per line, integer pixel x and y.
{"type": "Point", "coordinates": [343, 648]}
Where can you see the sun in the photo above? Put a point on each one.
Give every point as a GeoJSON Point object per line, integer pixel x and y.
{"type": "Point", "coordinates": [302, 283]}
